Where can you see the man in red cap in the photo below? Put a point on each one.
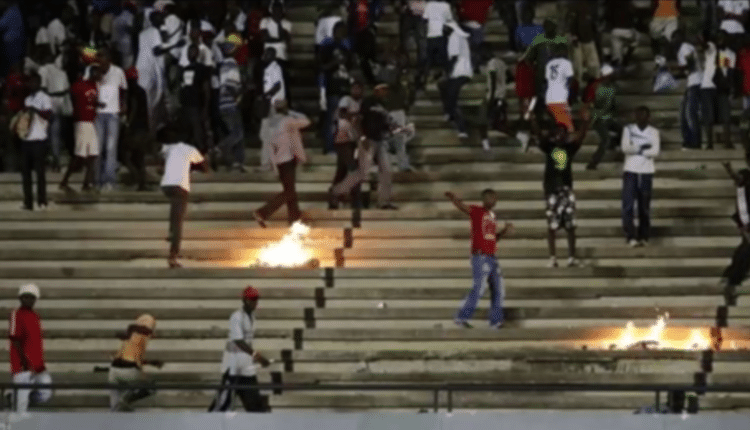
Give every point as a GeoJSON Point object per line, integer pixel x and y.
{"type": "Point", "coordinates": [238, 362]}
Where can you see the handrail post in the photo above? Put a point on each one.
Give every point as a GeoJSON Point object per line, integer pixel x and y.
{"type": "Point", "coordinates": [435, 399]}
{"type": "Point", "coordinates": [450, 399]}
{"type": "Point", "coordinates": [658, 401]}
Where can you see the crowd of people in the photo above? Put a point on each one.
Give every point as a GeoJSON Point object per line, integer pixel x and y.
{"type": "Point", "coordinates": [200, 79]}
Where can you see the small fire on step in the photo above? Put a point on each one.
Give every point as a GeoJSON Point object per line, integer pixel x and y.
{"type": "Point", "coordinates": [289, 252]}
{"type": "Point", "coordinates": [659, 336]}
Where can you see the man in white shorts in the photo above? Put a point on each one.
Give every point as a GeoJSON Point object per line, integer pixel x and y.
{"type": "Point", "coordinates": [85, 98]}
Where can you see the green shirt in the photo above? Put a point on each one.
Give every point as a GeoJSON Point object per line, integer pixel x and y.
{"type": "Point", "coordinates": [604, 102]}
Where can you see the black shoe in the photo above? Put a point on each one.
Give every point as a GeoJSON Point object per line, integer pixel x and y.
{"type": "Point", "coordinates": [464, 324]}
{"type": "Point", "coordinates": [388, 207]}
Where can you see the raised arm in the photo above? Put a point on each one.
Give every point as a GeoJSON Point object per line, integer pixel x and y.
{"type": "Point", "coordinates": [458, 203]}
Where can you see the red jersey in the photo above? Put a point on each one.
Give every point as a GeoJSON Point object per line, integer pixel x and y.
{"type": "Point", "coordinates": [524, 80]}
{"type": "Point", "coordinates": [85, 96]}
{"type": "Point", "coordinates": [475, 10]}
{"type": "Point", "coordinates": [483, 230]}
{"type": "Point", "coordinates": [743, 65]}
{"type": "Point", "coordinates": [27, 329]}
{"type": "Point", "coordinates": [15, 92]}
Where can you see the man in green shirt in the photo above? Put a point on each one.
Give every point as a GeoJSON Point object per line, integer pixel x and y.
{"type": "Point", "coordinates": [599, 103]}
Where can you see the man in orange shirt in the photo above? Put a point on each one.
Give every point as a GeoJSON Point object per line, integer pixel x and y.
{"type": "Point", "coordinates": [663, 24]}
{"type": "Point", "coordinates": [127, 363]}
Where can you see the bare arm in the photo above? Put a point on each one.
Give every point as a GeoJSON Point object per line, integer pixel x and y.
{"type": "Point", "coordinates": [458, 203]}
{"type": "Point", "coordinates": [244, 346]}
{"type": "Point", "coordinates": [506, 231]}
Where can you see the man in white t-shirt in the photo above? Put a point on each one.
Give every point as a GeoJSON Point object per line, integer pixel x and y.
{"type": "Point", "coordinates": [274, 86]}
{"type": "Point", "coordinates": [732, 14]}
{"type": "Point", "coordinates": [113, 103]}
{"type": "Point", "coordinates": [687, 59]}
{"type": "Point", "coordinates": [34, 144]}
{"type": "Point", "coordinates": [558, 72]}
{"type": "Point", "coordinates": [205, 55]}
{"type": "Point", "coordinates": [276, 31]}
{"type": "Point", "coordinates": [238, 360]}
{"type": "Point", "coordinates": [55, 83]}
{"type": "Point", "coordinates": [437, 13]}
{"type": "Point", "coordinates": [179, 158]}
{"type": "Point", "coordinates": [460, 73]}
{"type": "Point", "coordinates": [716, 87]}
{"type": "Point", "coordinates": [640, 144]}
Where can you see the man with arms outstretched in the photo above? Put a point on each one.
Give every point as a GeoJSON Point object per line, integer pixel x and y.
{"type": "Point", "coordinates": [484, 267]}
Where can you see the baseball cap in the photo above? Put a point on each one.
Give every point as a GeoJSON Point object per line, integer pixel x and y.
{"type": "Point", "coordinates": [250, 293]}
{"type": "Point", "coordinates": [146, 320]}
{"type": "Point", "coordinates": [29, 289]}
{"type": "Point", "coordinates": [607, 70]}
{"type": "Point", "coordinates": [234, 39]}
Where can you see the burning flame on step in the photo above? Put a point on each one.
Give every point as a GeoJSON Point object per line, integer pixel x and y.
{"type": "Point", "coordinates": [658, 336]}
{"type": "Point", "coordinates": [290, 251]}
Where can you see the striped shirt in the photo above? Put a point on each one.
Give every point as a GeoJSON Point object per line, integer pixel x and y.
{"type": "Point", "coordinates": [230, 83]}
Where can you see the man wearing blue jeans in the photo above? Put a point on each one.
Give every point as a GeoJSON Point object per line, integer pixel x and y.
{"type": "Point", "coordinates": [112, 103]}
{"type": "Point", "coordinates": [640, 144]}
{"type": "Point", "coordinates": [484, 267]}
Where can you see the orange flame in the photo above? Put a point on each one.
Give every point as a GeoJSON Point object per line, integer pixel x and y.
{"type": "Point", "coordinates": [659, 336]}
{"type": "Point", "coordinates": [290, 251]}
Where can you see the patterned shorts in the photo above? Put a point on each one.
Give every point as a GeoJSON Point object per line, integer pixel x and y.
{"type": "Point", "coordinates": [561, 209]}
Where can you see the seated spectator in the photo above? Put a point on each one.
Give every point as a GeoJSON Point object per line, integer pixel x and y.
{"type": "Point", "coordinates": [527, 31]}
{"type": "Point", "coordinates": [231, 88]}
{"type": "Point", "coordinates": [600, 101]}
{"type": "Point", "coordinates": [640, 144]}
{"type": "Point", "coordinates": [583, 32]}
{"type": "Point", "coordinates": [437, 13]}
{"type": "Point", "coordinates": [663, 24]}
{"type": "Point", "coordinates": [732, 15]}
{"type": "Point", "coordinates": [473, 16]}
{"type": "Point", "coordinates": [85, 97]}
{"type": "Point", "coordinates": [34, 144]}
{"type": "Point", "coordinates": [459, 74]}
{"type": "Point", "coordinates": [687, 59]}
{"type": "Point", "coordinates": [621, 17]}
{"type": "Point", "coordinates": [558, 72]}
{"type": "Point", "coordinates": [335, 62]}
{"type": "Point", "coordinates": [716, 87]}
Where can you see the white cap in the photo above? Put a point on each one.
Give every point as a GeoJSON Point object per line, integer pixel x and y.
{"type": "Point", "coordinates": [607, 70]}
{"type": "Point", "coordinates": [29, 289]}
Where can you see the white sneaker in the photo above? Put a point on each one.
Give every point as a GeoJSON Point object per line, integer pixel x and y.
{"type": "Point", "coordinates": [634, 243]}
{"type": "Point", "coordinates": [107, 188]}
{"type": "Point", "coordinates": [486, 144]}
{"type": "Point", "coordinates": [462, 135]}
{"type": "Point", "coordinates": [524, 139]}
{"type": "Point", "coordinates": [552, 263]}
{"type": "Point", "coordinates": [41, 207]}
{"type": "Point", "coordinates": [573, 262]}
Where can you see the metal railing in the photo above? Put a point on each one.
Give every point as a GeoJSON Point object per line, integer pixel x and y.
{"type": "Point", "coordinates": [436, 388]}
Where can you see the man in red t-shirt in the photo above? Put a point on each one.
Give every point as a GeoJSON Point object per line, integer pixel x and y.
{"type": "Point", "coordinates": [26, 350]}
{"type": "Point", "coordinates": [484, 267]}
{"type": "Point", "coordinates": [85, 98]}
{"type": "Point", "coordinates": [473, 15]}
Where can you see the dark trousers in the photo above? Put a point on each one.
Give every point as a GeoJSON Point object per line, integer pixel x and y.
{"type": "Point", "coordinates": [636, 188]}
{"type": "Point", "coordinates": [450, 91]}
{"type": "Point", "coordinates": [200, 127]}
{"type": "Point", "coordinates": [345, 163]}
{"type": "Point", "coordinates": [366, 48]}
{"type": "Point", "coordinates": [690, 118]}
{"type": "Point", "coordinates": [133, 154]}
{"type": "Point", "coordinates": [737, 270]}
{"type": "Point", "coordinates": [604, 131]}
{"type": "Point", "coordinates": [287, 176]}
{"type": "Point", "coordinates": [250, 397]}
{"type": "Point", "coordinates": [33, 154]}
{"type": "Point", "coordinates": [178, 201]}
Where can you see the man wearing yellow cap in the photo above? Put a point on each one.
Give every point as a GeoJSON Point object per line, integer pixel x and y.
{"type": "Point", "coordinates": [127, 364]}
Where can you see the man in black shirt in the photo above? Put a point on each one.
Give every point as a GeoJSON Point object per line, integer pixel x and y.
{"type": "Point", "coordinates": [335, 63]}
{"type": "Point", "coordinates": [735, 273]}
{"type": "Point", "coordinates": [136, 136]}
{"type": "Point", "coordinates": [560, 148]}
{"type": "Point", "coordinates": [376, 129]}
{"type": "Point", "coordinates": [195, 94]}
